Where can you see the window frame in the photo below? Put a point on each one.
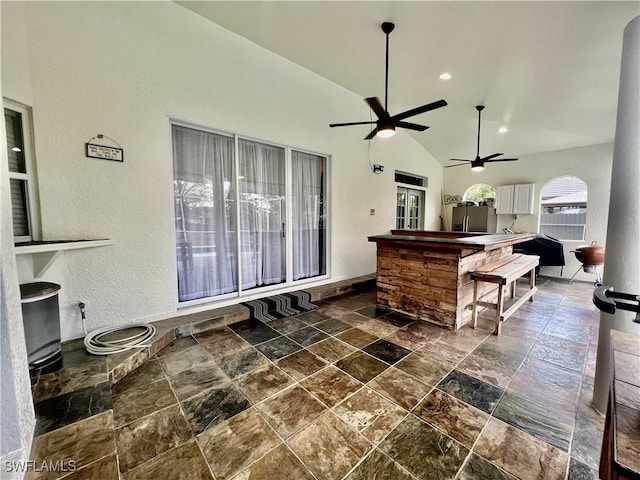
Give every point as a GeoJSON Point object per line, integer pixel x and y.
{"type": "Point", "coordinates": [258, 292]}
{"type": "Point", "coordinates": [30, 175]}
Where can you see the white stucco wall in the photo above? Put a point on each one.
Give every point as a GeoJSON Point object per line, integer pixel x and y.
{"type": "Point", "coordinates": [122, 69]}
{"type": "Point", "coordinates": [591, 164]}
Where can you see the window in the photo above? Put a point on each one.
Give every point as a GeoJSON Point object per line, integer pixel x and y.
{"type": "Point", "coordinates": [564, 208]}
{"type": "Point", "coordinates": [240, 224]}
{"type": "Point", "coordinates": [480, 192]}
{"type": "Point", "coordinates": [22, 180]}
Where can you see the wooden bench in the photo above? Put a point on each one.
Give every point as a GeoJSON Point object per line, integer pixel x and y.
{"type": "Point", "coordinates": [504, 272]}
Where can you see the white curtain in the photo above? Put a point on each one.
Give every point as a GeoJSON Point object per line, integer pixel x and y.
{"type": "Point", "coordinates": [308, 215]}
{"type": "Point", "coordinates": [262, 213]}
{"type": "Point", "coordinates": [205, 213]}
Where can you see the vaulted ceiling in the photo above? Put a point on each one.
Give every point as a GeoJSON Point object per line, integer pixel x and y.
{"type": "Point", "coordinates": [548, 71]}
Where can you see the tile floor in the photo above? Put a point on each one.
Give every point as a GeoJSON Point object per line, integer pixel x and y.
{"type": "Point", "coordinates": [347, 391]}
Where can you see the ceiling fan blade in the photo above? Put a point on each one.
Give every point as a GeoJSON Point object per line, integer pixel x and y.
{"type": "Point", "coordinates": [371, 134]}
{"type": "Point", "coordinates": [376, 106]}
{"type": "Point", "coordinates": [502, 160]}
{"type": "Point", "coordinates": [489, 157]}
{"type": "Point", "coordinates": [456, 165]}
{"type": "Point", "coordinates": [419, 110]}
{"type": "Point", "coordinates": [459, 160]}
{"type": "Point", "coordinates": [412, 126]}
{"type": "Point", "coordinates": [350, 123]}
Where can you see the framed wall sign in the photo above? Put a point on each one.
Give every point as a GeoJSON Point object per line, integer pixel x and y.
{"type": "Point", "coordinates": [104, 152]}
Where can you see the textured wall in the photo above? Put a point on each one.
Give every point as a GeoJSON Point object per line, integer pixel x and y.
{"type": "Point", "coordinates": [591, 164]}
{"type": "Point", "coordinates": [16, 407]}
{"type": "Point", "coordinates": [153, 60]}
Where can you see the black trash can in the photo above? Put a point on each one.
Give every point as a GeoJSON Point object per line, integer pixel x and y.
{"type": "Point", "coordinates": [41, 316]}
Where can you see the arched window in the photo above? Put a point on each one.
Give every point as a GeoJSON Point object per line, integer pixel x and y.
{"type": "Point", "coordinates": [480, 192]}
{"type": "Point", "coordinates": [563, 208]}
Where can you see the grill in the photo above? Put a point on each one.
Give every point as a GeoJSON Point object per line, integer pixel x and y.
{"type": "Point", "coordinates": [591, 257]}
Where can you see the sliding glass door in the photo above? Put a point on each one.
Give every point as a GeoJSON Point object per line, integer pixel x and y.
{"type": "Point", "coordinates": [247, 214]}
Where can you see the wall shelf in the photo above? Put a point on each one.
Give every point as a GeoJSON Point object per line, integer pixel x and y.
{"type": "Point", "coordinates": [43, 254]}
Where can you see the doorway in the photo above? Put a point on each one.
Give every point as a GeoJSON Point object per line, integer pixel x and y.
{"type": "Point", "coordinates": [409, 209]}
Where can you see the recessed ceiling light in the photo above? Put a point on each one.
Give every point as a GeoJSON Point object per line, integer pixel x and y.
{"type": "Point", "coordinates": [503, 130]}
{"type": "Point", "coordinates": [445, 76]}
{"type": "Point", "coordinates": [16, 149]}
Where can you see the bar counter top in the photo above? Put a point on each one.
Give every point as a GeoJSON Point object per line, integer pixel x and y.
{"type": "Point", "coordinates": [478, 243]}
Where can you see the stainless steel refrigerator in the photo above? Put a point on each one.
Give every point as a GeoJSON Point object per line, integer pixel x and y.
{"type": "Point", "coordinates": [474, 219]}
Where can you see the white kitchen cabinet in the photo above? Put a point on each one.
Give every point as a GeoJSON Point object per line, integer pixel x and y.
{"type": "Point", "coordinates": [504, 200]}
{"type": "Point", "coordinates": [515, 199]}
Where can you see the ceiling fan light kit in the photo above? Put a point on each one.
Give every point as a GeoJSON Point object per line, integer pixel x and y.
{"type": "Point", "coordinates": [385, 125]}
{"type": "Point", "coordinates": [477, 164]}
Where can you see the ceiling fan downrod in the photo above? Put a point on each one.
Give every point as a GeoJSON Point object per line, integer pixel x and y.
{"type": "Point", "coordinates": [387, 28]}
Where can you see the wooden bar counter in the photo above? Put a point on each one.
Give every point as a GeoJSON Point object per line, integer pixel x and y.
{"type": "Point", "coordinates": [426, 274]}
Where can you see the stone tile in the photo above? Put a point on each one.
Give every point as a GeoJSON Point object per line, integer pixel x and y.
{"type": "Point", "coordinates": [150, 436]}
{"type": "Point", "coordinates": [574, 333]}
{"type": "Point", "coordinates": [446, 353]}
{"type": "Point", "coordinates": [627, 366]}
{"type": "Point", "coordinates": [356, 337]}
{"type": "Point", "coordinates": [543, 382]}
{"type": "Point", "coordinates": [501, 444]}
{"type": "Point", "coordinates": [181, 463]}
{"type": "Point", "coordinates": [177, 345]}
{"type": "Point", "coordinates": [232, 446]}
{"type": "Point", "coordinates": [423, 451]}
{"type": "Point", "coordinates": [493, 364]}
{"type": "Point", "coordinates": [361, 366]}
{"type": "Point", "coordinates": [451, 415]}
{"type": "Point", "coordinates": [84, 442]}
{"type": "Point", "coordinates": [332, 326]}
{"type": "Point", "coordinates": [106, 468]}
{"type": "Point", "coordinates": [386, 351]}
{"type": "Point", "coordinates": [301, 364]}
{"type": "Point", "coordinates": [477, 468]}
{"type": "Point", "coordinates": [184, 359]}
{"type": "Point", "coordinates": [66, 409]}
{"type": "Point", "coordinates": [264, 382]}
{"type": "Point", "coordinates": [370, 414]}
{"type": "Point", "coordinates": [471, 390]}
{"type": "Point", "coordinates": [355, 319]}
{"type": "Point", "coordinates": [291, 410]}
{"type": "Point", "coordinates": [587, 437]}
{"type": "Point", "coordinates": [287, 325]}
{"type": "Point", "coordinates": [397, 319]}
{"type": "Point", "coordinates": [423, 368]}
{"type": "Point", "coordinates": [140, 400]}
{"type": "Point", "coordinates": [329, 447]}
{"type": "Point", "coordinates": [149, 372]}
{"type": "Point", "coordinates": [308, 336]}
{"type": "Point", "coordinates": [400, 387]}
{"type": "Point", "coordinates": [373, 311]}
{"type": "Point", "coordinates": [214, 406]}
{"type": "Point", "coordinates": [70, 378]}
{"type": "Point", "coordinates": [225, 346]}
{"type": "Point", "coordinates": [379, 467]}
{"type": "Point", "coordinates": [242, 362]}
{"type": "Point", "coordinates": [279, 464]}
{"type": "Point", "coordinates": [377, 328]}
{"type": "Point", "coordinates": [278, 347]}
{"type": "Point", "coordinates": [581, 471]}
{"type": "Point", "coordinates": [193, 381]}
{"type": "Point", "coordinates": [253, 331]}
{"type": "Point", "coordinates": [331, 385]}
{"type": "Point", "coordinates": [351, 303]}
{"type": "Point", "coordinates": [560, 358]}
{"type": "Point", "coordinates": [407, 339]}
{"type": "Point", "coordinates": [541, 420]}
{"type": "Point", "coordinates": [316, 316]}
{"type": "Point", "coordinates": [214, 334]}
{"type": "Point", "coordinates": [331, 349]}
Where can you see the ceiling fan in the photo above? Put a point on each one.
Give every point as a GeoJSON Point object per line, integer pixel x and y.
{"type": "Point", "coordinates": [477, 165]}
{"type": "Point", "coordinates": [386, 123]}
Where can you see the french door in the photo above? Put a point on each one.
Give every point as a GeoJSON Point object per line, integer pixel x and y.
{"type": "Point", "coordinates": [409, 209]}
{"type": "Point", "coordinates": [248, 214]}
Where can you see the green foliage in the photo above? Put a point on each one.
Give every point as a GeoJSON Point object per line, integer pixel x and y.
{"type": "Point", "coordinates": [479, 192]}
